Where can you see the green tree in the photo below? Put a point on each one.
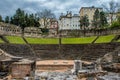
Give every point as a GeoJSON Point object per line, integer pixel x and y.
{"type": "Point", "coordinates": [11, 20]}
{"type": "Point", "coordinates": [118, 15]}
{"type": "Point", "coordinates": [36, 21]}
{"type": "Point", "coordinates": [7, 19]}
{"type": "Point", "coordinates": [111, 8]}
{"type": "Point", "coordinates": [96, 19]}
{"type": "Point", "coordinates": [45, 15]}
{"type": "Point", "coordinates": [22, 19]}
{"type": "Point", "coordinates": [18, 18]}
{"type": "Point", "coordinates": [84, 22]}
{"type": "Point", "coordinates": [31, 17]}
{"type": "Point", "coordinates": [103, 19]}
{"type": "Point", "coordinates": [0, 18]}
{"type": "Point", "coordinates": [99, 19]}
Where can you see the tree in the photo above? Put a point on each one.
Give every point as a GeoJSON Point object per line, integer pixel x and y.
{"type": "Point", "coordinates": [84, 22]}
{"type": "Point", "coordinates": [103, 19]}
{"type": "Point", "coordinates": [96, 19]}
{"type": "Point", "coordinates": [23, 20]}
{"type": "Point", "coordinates": [31, 18]}
{"type": "Point", "coordinates": [111, 9]}
{"type": "Point", "coordinates": [99, 19]}
{"type": "Point", "coordinates": [45, 15]}
{"type": "Point", "coordinates": [18, 18]}
{"type": "Point", "coordinates": [7, 19]}
{"type": "Point", "coordinates": [11, 20]}
{"type": "Point", "coordinates": [0, 18]}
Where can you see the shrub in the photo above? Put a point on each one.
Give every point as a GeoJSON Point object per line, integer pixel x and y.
{"type": "Point", "coordinates": [115, 25]}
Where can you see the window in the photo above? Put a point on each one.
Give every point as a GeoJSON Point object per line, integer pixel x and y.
{"type": "Point", "coordinates": [67, 24]}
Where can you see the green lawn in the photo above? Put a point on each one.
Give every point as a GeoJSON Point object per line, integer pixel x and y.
{"type": "Point", "coordinates": [83, 40]}
{"type": "Point", "coordinates": [42, 40]}
{"type": "Point", "coordinates": [15, 39]}
{"type": "Point", "coordinates": [118, 40]}
{"type": "Point", "coordinates": [1, 41]}
{"type": "Point", "coordinates": [105, 39]}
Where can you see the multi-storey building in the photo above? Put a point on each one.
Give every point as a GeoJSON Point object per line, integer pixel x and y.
{"type": "Point", "coordinates": [89, 11]}
{"type": "Point", "coordinates": [69, 21]}
{"type": "Point", "coordinates": [112, 17]}
{"type": "Point", "coordinates": [44, 23]}
{"type": "Point", "coordinates": [51, 24]}
{"type": "Point", "coordinates": [53, 28]}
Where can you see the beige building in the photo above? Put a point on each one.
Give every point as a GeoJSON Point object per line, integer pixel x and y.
{"type": "Point", "coordinates": [44, 23]}
{"type": "Point", "coordinates": [51, 24]}
{"type": "Point", "coordinates": [113, 16]}
{"type": "Point", "coordinates": [89, 11]}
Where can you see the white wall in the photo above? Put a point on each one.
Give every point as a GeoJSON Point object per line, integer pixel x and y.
{"type": "Point", "coordinates": [68, 23]}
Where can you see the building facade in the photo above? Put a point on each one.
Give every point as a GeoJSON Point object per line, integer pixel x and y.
{"type": "Point", "coordinates": [51, 24]}
{"type": "Point", "coordinates": [53, 28]}
{"type": "Point", "coordinates": [111, 17]}
{"type": "Point", "coordinates": [89, 11]}
{"type": "Point", "coordinates": [69, 22]}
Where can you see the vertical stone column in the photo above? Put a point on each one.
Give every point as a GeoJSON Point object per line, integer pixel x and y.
{"type": "Point", "coordinates": [77, 65]}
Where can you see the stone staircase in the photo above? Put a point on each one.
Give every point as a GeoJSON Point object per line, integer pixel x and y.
{"type": "Point", "coordinates": [4, 39]}
{"type": "Point", "coordinates": [116, 55]}
{"type": "Point", "coordinates": [17, 50]}
{"type": "Point", "coordinates": [97, 51]}
{"type": "Point", "coordinates": [117, 37]}
{"type": "Point", "coordinates": [88, 52]}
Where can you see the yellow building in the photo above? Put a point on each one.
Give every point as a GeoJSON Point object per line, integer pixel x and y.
{"type": "Point", "coordinates": [89, 11]}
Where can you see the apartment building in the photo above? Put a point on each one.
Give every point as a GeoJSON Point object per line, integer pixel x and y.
{"type": "Point", "coordinates": [53, 28]}
{"type": "Point", "coordinates": [89, 11]}
{"type": "Point", "coordinates": [69, 22]}
{"type": "Point", "coordinates": [51, 24]}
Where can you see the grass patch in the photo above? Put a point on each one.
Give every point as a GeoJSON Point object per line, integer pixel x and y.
{"type": "Point", "coordinates": [42, 40]}
{"type": "Point", "coordinates": [15, 39]}
{"type": "Point", "coordinates": [83, 40]}
{"type": "Point", "coordinates": [105, 39]}
{"type": "Point", "coordinates": [1, 41]}
{"type": "Point", "coordinates": [118, 40]}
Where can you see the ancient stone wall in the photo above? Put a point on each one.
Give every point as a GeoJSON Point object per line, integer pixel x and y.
{"type": "Point", "coordinates": [89, 52]}
{"type": "Point", "coordinates": [17, 50]}
{"type": "Point", "coordinates": [36, 32]}
{"type": "Point", "coordinates": [53, 68]}
{"type": "Point", "coordinates": [20, 70]}
{"type": "Point", "coordinates": [79, 33]}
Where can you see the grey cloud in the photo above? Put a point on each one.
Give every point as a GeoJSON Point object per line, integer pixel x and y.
{"type": "Point", "coordinates": [57, 6]}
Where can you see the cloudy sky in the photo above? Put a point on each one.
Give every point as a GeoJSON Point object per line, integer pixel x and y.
{"type": "Point", "coordinates": [8, 7]}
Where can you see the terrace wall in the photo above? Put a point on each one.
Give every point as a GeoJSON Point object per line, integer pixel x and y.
{"type": "Point", "coordinates": [17, 50]}
{"type": "Point", "coordinates": [36, 32]}
{"type": "Point", "coordinates": [89, 52]}
{"type": "Point", "coordinates": [79, 33]}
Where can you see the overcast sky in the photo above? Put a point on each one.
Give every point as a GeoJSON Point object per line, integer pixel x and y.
{"type": "Point", "coordinates": [8, 7]}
